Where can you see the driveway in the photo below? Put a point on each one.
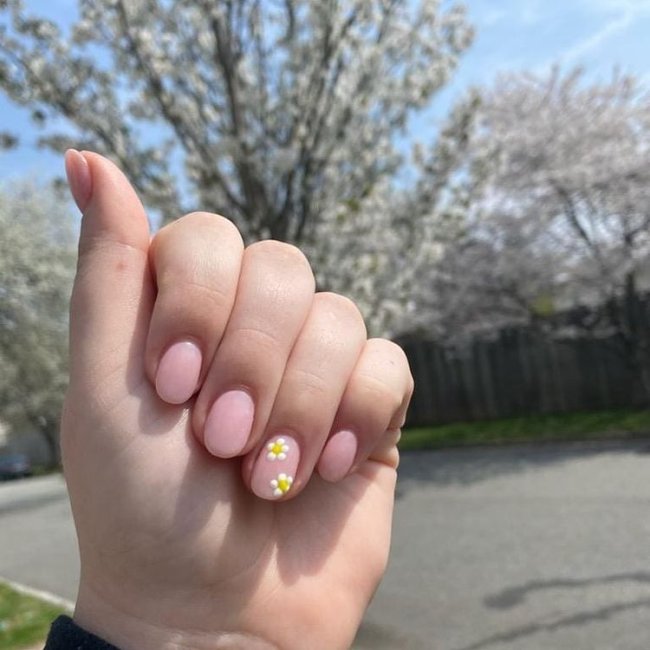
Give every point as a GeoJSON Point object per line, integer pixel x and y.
{"type": "Point", "coordinates": [540, 548]}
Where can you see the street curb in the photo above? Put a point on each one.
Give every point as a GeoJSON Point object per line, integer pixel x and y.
{"type": "Point", "coordinates": [610, 440]}
{"type": "Point", "coordinates": [46, 596]}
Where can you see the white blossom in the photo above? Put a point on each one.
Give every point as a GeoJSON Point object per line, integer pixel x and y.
{"type": "Point", "coordinates": [556, 175]}
{"type": "Point", "coordinates": [286, 117]}
{"type": "Point", "coordinates": [37, 256]}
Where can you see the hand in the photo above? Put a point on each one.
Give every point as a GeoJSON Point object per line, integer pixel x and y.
{"type": "Point", "coordinates": [189, 537]}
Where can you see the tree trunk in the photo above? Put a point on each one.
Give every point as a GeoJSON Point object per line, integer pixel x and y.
{"type": "Point", "coordinates": [50, 433]}
{"type": "Point", "coordinates": [636, 334]}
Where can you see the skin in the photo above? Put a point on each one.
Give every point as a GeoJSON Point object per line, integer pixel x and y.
{"type": "Point", "coordinates": [179, 548]}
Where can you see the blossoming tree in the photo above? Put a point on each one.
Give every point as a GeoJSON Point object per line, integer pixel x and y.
{"type": "Point", "coordinates": [289, 117]}
{"type": "Point", "coordinates": [560, 174]}
{"type": "Point", "coordinates": [37, 254]}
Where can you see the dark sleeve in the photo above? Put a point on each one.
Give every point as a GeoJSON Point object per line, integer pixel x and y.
{"type": "Point", "coordinates": [66, 635]}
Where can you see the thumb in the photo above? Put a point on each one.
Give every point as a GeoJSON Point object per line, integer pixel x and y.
{"type": "Point", "coordinates": [113, 291]}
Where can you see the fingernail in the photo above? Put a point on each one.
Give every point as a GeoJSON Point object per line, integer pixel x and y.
{"type": "Point", "coordinates": [79, 178]}
{"type": "Point", "coordinates": [178, 372]}
{"type": "Point", "coordinates": [276, 466]}
{"type": "Point", "coordinates": [338, 456]}
{"type": "Point", "coordinates": [229, 424]}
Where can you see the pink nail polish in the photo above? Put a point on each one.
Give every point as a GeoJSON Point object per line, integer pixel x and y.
{"type": "Point", "coordinates": [178, 372]}
{"type": "Point", "coordinates": [338, 456]}
{"type": "Point", "coordinates": [229, 424]}
{"type": "Point", "coordinates": [79, 177]}
{"type": "Point", "coordinates": [276, 466]}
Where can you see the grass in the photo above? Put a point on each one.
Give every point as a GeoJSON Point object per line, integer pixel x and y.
{"type": "Point", "coordinates": [45, 470]}
{"type": "Point", "coordinates": [572, 426]}
{"type": "Point", "coordinates": [24, 620]}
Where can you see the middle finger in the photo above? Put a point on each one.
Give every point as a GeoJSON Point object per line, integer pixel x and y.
{"type": "Point", "coordinates": [274, 295]}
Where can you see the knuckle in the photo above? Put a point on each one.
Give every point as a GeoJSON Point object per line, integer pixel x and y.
{"type": "Point", "coordinates": [344, 308]}
{"type": "Point", "coordinates": [199, 225]}
{"type": "Point", "coordinates": [189, 294]}
{"type": "Point", "coordinates": [395, 359]}
{"type": "Point", "coordinates": [392, 352]}
{"type": "Point", "coordinates": [312, 386]}
{"type": "Point", "coordinates": [373, 391]}
{"type": "Point", "coordinates": [410, 389]}
{"type": "Point", "coordinates": [222, 225]}
{"type": "Point", "coordinates": [280, 252]}
{"type": "Point", "coordinates": [256, 340]}
{"type": "Point", "coordinates": [311, 408]}
{"type": "Point", "coordinates": [184, 262]}
{"type": "Point", "coordinates": [410, 386]}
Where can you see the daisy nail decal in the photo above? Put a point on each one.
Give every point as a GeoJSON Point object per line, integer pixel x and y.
{"type": "Point", "coordinates": [281, 485]}
{"type": "Point", "coordinates": [277, 449]}
{"type": "Point", "coordinates": [276, 469]}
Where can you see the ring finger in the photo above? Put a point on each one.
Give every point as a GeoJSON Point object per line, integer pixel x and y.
{"type": "Point", "coordinates": [308, 398]}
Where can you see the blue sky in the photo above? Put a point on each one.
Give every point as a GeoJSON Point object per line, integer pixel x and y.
{"type": "Point", "coordinates": [511, 35]}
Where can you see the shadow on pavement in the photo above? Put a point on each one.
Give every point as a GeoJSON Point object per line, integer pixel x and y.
{"type": "Point", "coordinates": [578, 619]}
{"type": "Point", "coordinates": [515, 596]}
{"type": "Point", "coordinates": [472, 465]}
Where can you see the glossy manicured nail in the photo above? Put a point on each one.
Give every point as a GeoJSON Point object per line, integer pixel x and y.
{"type": "Point", "coordinates": [178, 372]}
{"type": "Point", "coordinates": [276, 466]}
{"type": "Point", "coordinates": [338, 456]}
{"type": "Point", "coordinates": [229, 424]}
{"type": "Point", "coordinates": [79, 178]}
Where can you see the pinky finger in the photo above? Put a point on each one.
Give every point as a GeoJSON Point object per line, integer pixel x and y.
{"type": "Point", "coordinates": [373, 407]}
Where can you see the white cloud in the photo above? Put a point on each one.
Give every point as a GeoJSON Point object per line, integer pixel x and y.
{"type": "Point", "coordinates": [620, 14]}
{"type": "Point", "coordinates": [596, 40]}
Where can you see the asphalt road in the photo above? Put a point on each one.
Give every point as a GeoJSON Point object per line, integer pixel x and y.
{"type": "Point", "coordinates": [529, 548]}
{"type": "Point", "coordinates": [38, 546]}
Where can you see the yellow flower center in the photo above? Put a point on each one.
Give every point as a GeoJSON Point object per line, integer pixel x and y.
{"type": "Point", "coordinates": [276, 449]}
{"type": "Point", "coordinates": [284, 484]}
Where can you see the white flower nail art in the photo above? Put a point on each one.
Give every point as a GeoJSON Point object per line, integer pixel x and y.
{"type": "Point", "coordinates": [281, 485]}
{"type": "Point", "coordinates": [277, 449]}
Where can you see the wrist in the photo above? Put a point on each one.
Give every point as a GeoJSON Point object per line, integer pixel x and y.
{"type": "Point", "coordinates": [128, 630]}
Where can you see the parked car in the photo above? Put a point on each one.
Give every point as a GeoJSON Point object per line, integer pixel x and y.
{"type": "Point", "coordinates": [14, 466]}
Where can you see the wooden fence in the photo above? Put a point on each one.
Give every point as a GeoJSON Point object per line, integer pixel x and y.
{"type": "Point", "coordinates": [520, 372]}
